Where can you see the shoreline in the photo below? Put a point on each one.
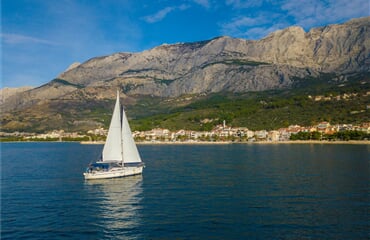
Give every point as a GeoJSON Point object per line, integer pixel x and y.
{"type": "Point", "coordinates": [362, 142]}
{"type": "Point", "coordinates": [358, 142]}
{"type": "Point", "coordinates": [350, 142]}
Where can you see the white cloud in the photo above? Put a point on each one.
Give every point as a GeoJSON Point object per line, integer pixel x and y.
{"type": "Point", "coordinates": [262, 31]}
{"type": "Point", "coordinates": [11, 38]}
{"type": "Point", "coordinates": [317, 13]}
{"type": "Point", "coordinates": [247, 21]}
{"type": "Point", "coordinates": [161, 14]}
{"type": "Point", "coordinates": [240, 4]}
{"type": "Point", "coordinates": [237, 26]}
{"type": "Point", "coordinates": [253, 27]}
{"type": "Point", "coordinates": [254, 22]}
{"type": "Point", "coordinates": [204, 3]}
{"type": "Point", "coordinates": [74, 31]}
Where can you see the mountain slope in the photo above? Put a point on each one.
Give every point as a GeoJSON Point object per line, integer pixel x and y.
{"type": "Point", "coordinates": [236, 65]}
{"type": "Point", "coordinates": [282, 60]}
{"type": "Point", "coordinates": [6, 93]}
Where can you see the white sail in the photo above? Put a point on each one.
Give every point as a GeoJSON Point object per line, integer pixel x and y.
{"type": "Point", "coordinates": [129, 149]}
{"type": "Point", "coordinates": [112, 150]}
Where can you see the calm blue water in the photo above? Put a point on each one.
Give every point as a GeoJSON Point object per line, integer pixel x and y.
{"type": "Point", "coordinates": [231, 191]}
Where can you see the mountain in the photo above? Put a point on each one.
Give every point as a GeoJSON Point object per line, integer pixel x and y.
{"type": "Point", "coordinates": [6, 93]}
{"type": "Point", "coordinates": [282, 60]}
{"type": "Point", "coordinates": [229, 64]}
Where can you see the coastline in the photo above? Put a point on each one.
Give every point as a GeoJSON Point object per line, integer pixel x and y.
{"type": "Point", "coordinates": [362, 142]}
{"type": "Point", "coordinates": [182, 143]}
{"type": "Point", "coordinates": [353, 142]}
{"type": "Point", "coordinates": [358, 142]}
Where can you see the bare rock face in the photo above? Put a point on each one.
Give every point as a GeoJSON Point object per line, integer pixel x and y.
{"type": "Point", "coordinates": [220, 64]}
{"type": "Point", "coordinates": [6, 93]}
{"type": "Point", "coordinates": [226, 63]}
{"type": "Point", "coordinates": [96, 69]}
{"type": "Point", "coordinates": [72, 66]}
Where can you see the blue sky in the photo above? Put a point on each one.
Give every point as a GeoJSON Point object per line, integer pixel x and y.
{"type": "Point", "coordinates": [41, 38]}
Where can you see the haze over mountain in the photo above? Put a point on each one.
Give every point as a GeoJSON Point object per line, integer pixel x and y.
{"type": "Point", "coordinates": [222, 64]}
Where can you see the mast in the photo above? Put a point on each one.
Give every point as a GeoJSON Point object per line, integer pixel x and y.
{"type": "Point", "coordinates": [112, 150]}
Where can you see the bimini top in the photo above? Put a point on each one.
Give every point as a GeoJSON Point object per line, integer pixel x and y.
{"type": "Point", "coordinates": [104, 165]}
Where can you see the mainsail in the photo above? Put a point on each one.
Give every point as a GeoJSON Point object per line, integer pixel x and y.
{"type": "Point", "coordinates": [112, 150]}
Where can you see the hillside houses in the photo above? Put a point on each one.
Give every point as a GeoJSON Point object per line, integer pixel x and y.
{"type": "Point", "coordinates": [227, 133]}
{"type": "Point", "coordinates": [220, 133]}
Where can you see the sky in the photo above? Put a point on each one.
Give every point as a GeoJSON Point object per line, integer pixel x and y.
{"type": "Point", "coordinates": [41, 38]}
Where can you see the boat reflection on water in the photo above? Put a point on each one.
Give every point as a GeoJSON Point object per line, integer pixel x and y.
{"type": "Point", "coordinates": [118, 203]}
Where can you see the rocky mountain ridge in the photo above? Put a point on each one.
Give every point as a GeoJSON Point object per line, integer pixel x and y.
{"type": "Point", "coordinates": [6, 93]}
{"type": "Point", "coordinates": [231, 64]}
{"type": "Point", "coordinates": [222, 64]}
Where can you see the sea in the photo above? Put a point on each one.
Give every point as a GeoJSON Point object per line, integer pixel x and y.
{"type": "Point", "coordinates": [230, 191]}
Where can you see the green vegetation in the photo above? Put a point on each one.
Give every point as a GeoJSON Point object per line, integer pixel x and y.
{"type": "Point", "coordinates": [342, 101]}
{"type": "Point", "coordinates": [130, 86]}
{"type": "Point", "coordinates": [349, 135]}
{"type": "Point", "coordinates": [238, 62]}
{"type": "Point", "coordinates": [163, 81]}
{"type": "Point", "coordinates": [65, 82]}
{"type": "Point", "coordinates": [11, 139]}
{"type": "Point", "coordinates": [75, 139]}
{"type": "Point", "coordinates": [69, 115]}
{"type": "Point", "coordinates": [264, 110]}
{"type": "Point", "coordinates": [342, 136]}
{"type": "Point", "coordinates": [48, 139]}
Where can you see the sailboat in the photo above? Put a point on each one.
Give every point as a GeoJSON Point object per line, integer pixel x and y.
{"type": "Point", "coordinates": [120, 156]}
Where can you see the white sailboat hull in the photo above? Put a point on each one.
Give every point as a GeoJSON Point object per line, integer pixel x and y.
{"type": "Point", "coordinates": [114, 173]}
